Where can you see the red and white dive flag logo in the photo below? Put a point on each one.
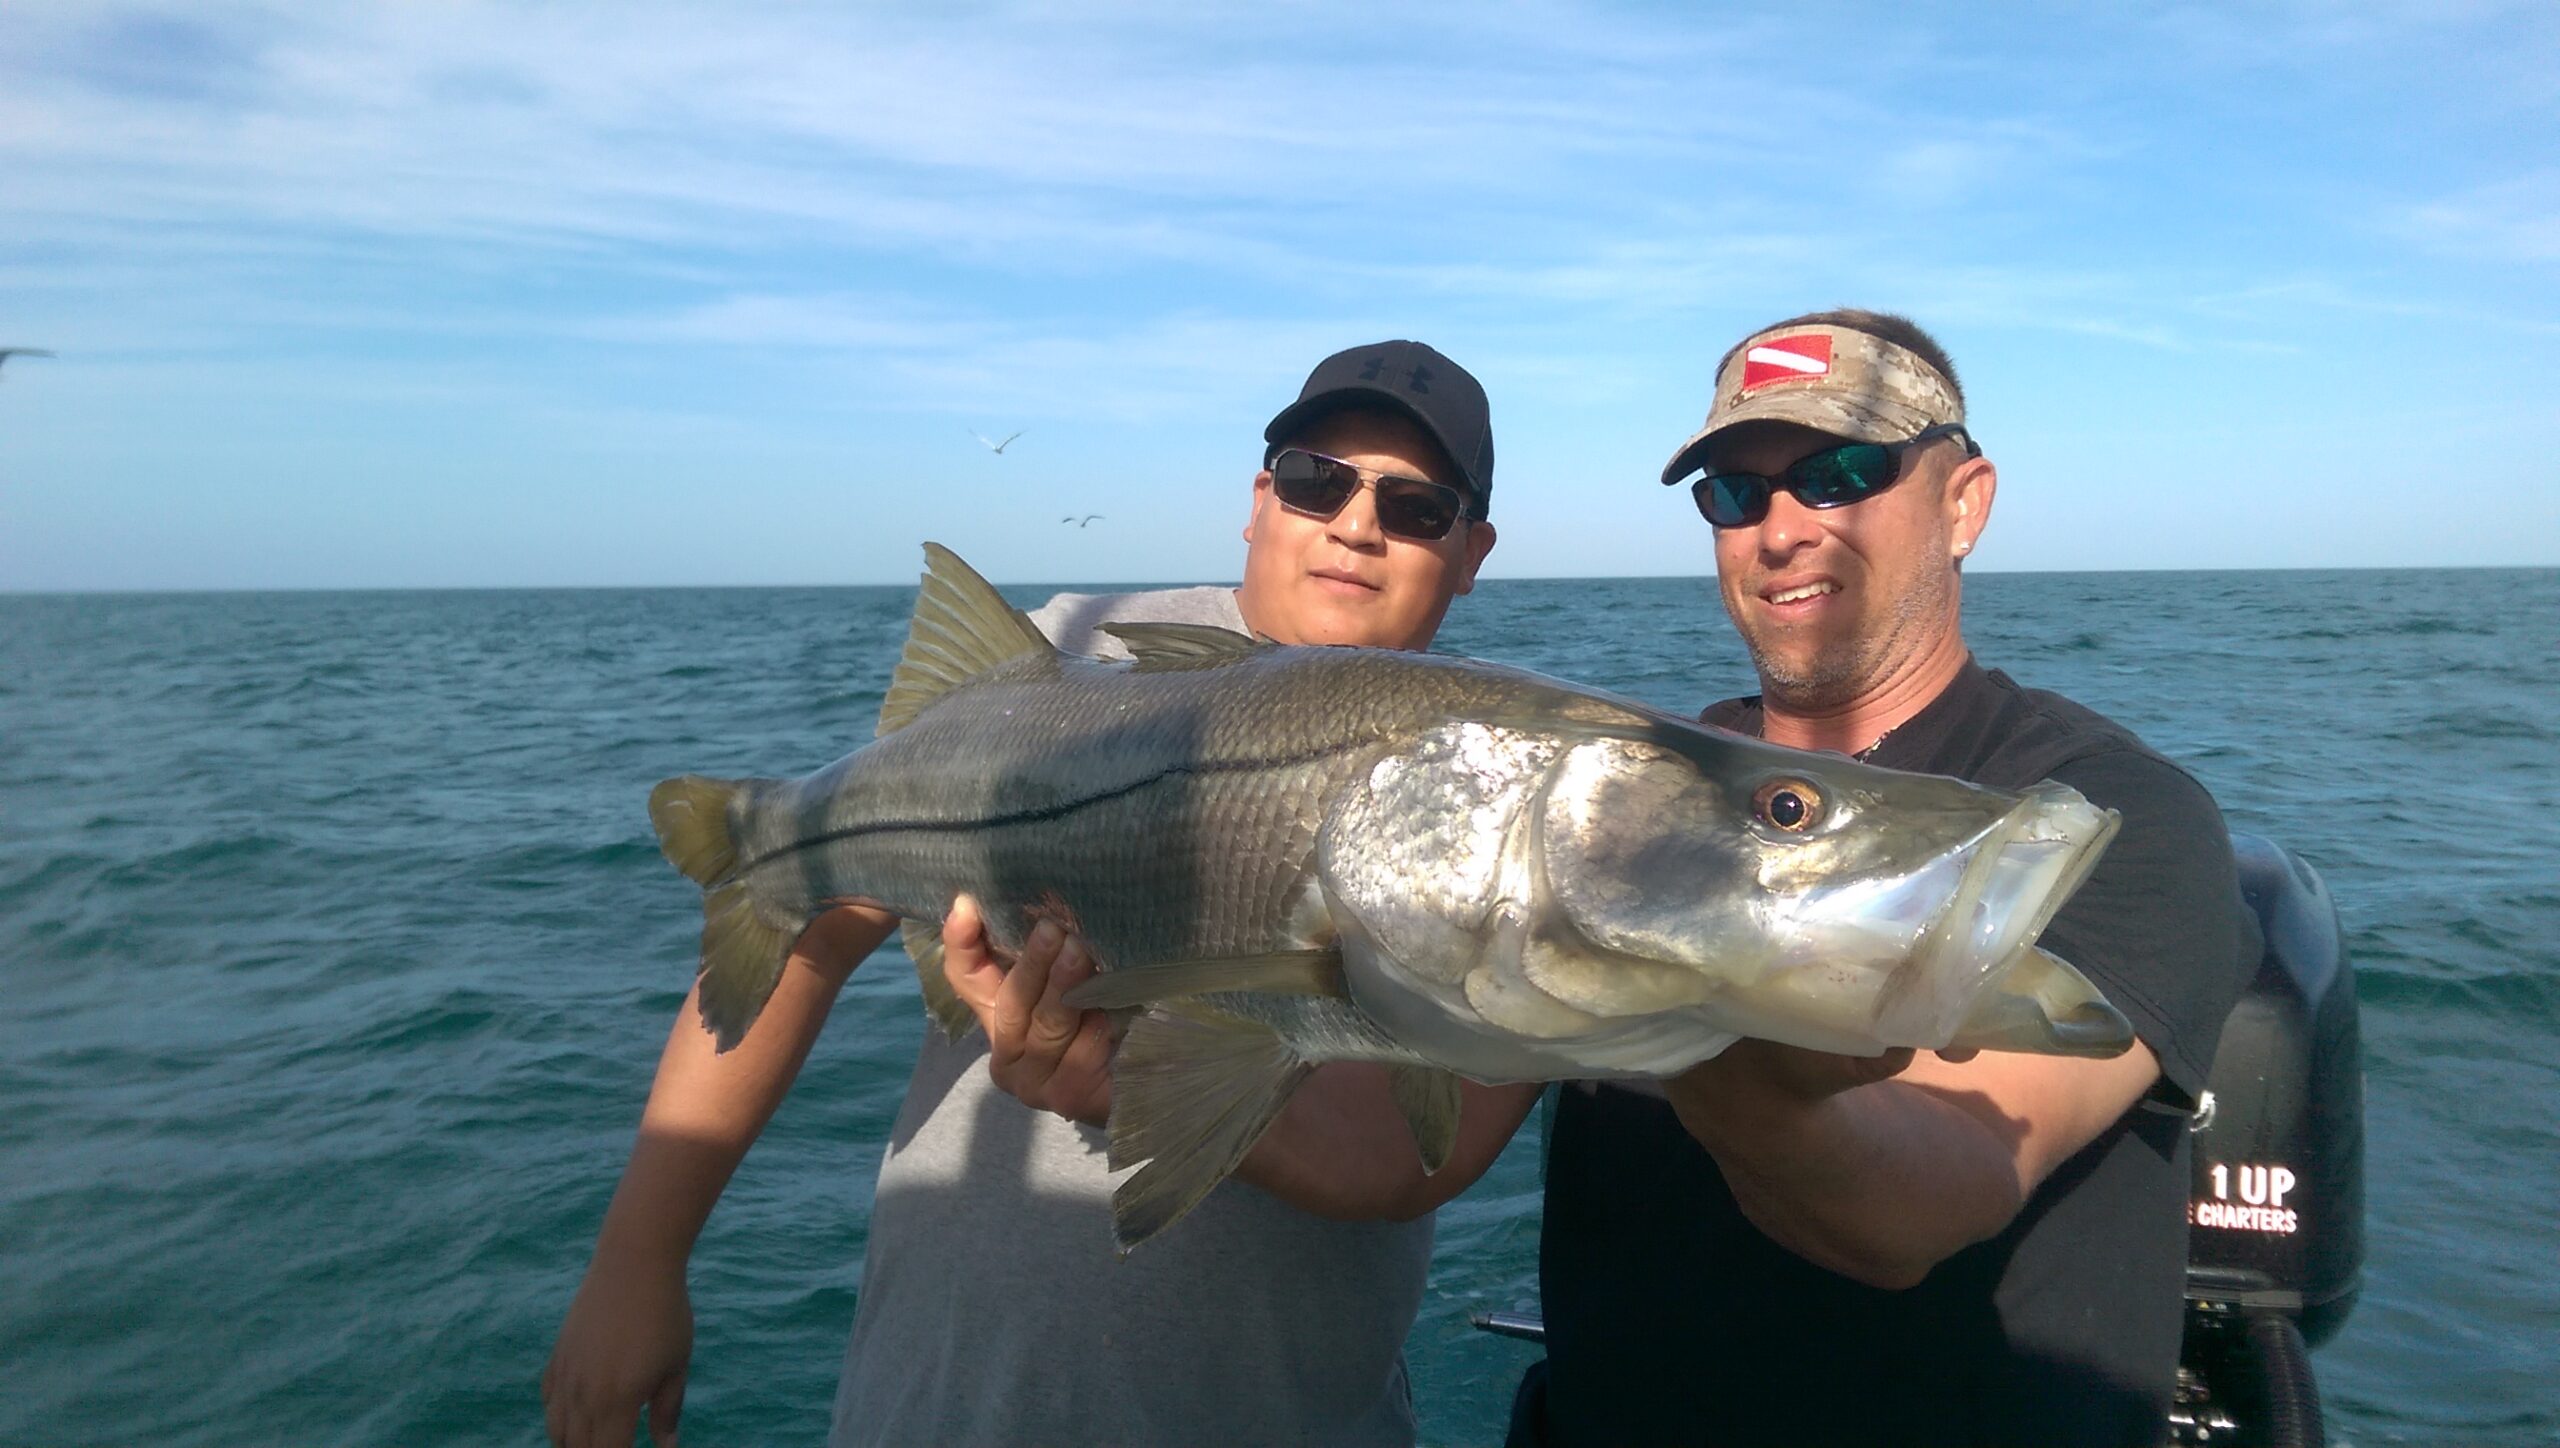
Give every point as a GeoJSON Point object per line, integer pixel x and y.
{"type": "Point", "coordinates": [1786, 359]}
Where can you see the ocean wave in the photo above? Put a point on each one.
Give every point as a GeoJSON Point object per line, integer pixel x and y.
{"type": "Point", "coordinates": [2426, 627]}
{"type": "Point", "coordinates": [2483, 724]}
{"type": "Point", "coordinates": [53, 875]}
{"type": "Point", "coordinates": [2521, 994]}
{"type": "Point", "coordinates": [211, 860]}
{"type": "Point", "coordinates": [454, 1016]}
{"type": "Point", "coordinates": [565, 864]}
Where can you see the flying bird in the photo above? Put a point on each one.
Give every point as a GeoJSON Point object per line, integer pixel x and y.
{"type": "Point", "coordinates": [1079, 522]}
{"type": "Point", "coordinates": [8, 352]}
{"type": "Point", "coordinates": [991, 445]}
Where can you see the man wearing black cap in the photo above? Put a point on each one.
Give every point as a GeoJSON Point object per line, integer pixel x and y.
{"type": "Point", "coordinates": [993, 1309]}
{"type": "Point", "coordinates": [1416, 431]}
{"type": "Point", "coordinates": [1801, 1248]}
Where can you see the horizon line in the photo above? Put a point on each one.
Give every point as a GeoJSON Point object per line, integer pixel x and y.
{"type": "Point", "coordinates": [1142, 584]}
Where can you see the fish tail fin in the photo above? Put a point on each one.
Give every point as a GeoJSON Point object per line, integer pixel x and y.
{"type": "Point", "coordinates": [743, 952]}
{"type": "Point", "coordinates": [923, 940]}
{"type": "Point", "coordinates": [743, 949]}
{"type": "Point", "coordinates": [962, 628]}
{"type": "Point", "coordinates": [692, 814]}
{"type": "Point", "coordinates": [1192, 1090]}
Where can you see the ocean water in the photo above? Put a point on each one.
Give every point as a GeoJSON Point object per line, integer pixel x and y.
{"type": "Point", "coordinates": [338, 955]}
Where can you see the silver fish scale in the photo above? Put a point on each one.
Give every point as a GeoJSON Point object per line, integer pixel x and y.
{"type": "Point", "coordinates": [1173, 812]}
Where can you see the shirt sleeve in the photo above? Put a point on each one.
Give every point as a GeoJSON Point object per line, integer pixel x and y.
{"type": "Point", "coordinates": [1073, 622]}
{"type": "Point", "coordinates": [2160, 926]}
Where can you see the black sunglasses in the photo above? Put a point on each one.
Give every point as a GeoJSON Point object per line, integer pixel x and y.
{"type": "Point", "coordinates": [1311, 483]}
{"type": "Point", "coordinates": [1832, 478]}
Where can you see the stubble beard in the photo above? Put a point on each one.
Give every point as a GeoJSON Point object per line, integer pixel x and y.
{"type": "Point", "coordinates": [1833, 677]}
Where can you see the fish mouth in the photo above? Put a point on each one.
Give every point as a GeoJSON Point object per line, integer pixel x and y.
{"type": "Point", "coordinates": [2016, 875]}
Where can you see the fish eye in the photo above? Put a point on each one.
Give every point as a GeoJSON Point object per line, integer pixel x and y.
{"type": "Point", "coordinates": [1792, 805]}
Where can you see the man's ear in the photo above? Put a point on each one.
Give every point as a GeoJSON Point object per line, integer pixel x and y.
{"type": "Point", "coordinates": [1261, 490]}
{"type": "Point", "coordinates": [1970, 489]}
{"type": "Point", "coordinates": [1479, 543]}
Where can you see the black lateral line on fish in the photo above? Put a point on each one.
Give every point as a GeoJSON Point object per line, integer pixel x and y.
{"type": "Point", "coordinates": [1041, 816]}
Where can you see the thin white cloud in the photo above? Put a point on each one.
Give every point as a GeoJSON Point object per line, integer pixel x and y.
{"type": "Point", "coordinates": [1152, 134]}
{"type": "Point", "coordinates": [2278, 299]}
{"type": "Point", "coordinates": [816, 321]}
{"type": "Point", "coordinates": [477, 141]}
{"type": "Point", "coordinates": [658, 124]}
{"type": "Point", "coordinates": [2517, 219]}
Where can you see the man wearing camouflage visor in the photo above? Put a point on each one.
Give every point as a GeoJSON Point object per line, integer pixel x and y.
{"type": "Point", "coordinates": [1785, 1246]}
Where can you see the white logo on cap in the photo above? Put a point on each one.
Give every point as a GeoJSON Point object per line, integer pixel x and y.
{"type": "Point", "coordinates": [1792, 361]}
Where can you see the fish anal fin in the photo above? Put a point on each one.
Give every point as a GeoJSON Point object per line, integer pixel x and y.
{"type": "Point", "coordinates": [1429, 1099]}
{"type": "Point", "coordinates": [962, 628]}
{"type": "Point", "coordinates": [923, 941]}
{"type": "Point", "coordinates": [1192, 1091]}
{"type": "Point", "coordinates": [743, 953]}
{"type": "Point", "coordinates": [1161, 647]}
{"type": "Point", "coordinates": [1286, 972]}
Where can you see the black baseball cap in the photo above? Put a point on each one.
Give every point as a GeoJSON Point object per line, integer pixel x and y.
{"type": "Point", "coordinates": [1412, 379]}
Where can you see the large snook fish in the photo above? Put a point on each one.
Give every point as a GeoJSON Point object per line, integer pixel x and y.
{"type": "Point", "coordinates": [1294, 855]}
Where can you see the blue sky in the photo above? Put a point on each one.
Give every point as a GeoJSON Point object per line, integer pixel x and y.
{"type": "Point", "coordinates": [602, 294]}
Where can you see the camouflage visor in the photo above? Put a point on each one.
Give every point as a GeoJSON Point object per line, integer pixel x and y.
{"type": "Point", "coordinates": [1831, 379]}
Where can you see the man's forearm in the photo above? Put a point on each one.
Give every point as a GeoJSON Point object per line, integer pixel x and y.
{"type": "Point", "coordinates": [1882, 1179]}
{"type": "Point", "coordinates": [1341, 1150]}
{"type": "Point", "coordinates": [706, 1108]}
{"type": "Point", "coordinates": [1879, 1183]}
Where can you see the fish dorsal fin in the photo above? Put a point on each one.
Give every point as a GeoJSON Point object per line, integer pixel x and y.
{"type": "Point", "coordinates": [962, 628]}
{"type": "Point", "coordinates": [1158, 646]}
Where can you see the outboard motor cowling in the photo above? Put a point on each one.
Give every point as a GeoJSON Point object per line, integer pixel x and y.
{"type": "Point", "coordinates": [2275, 1236]}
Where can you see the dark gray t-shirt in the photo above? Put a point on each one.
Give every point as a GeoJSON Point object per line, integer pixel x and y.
{"type": "Point", "coordinates": [1672, 1319]}
{"type": "Point", "coordinates": [994, 1310]}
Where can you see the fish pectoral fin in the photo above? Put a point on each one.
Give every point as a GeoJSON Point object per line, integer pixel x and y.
{"type": "Point", "coordinates": [1429, 1100]}
{"type": "Point", "coordinates": [743, 953]}
{"type": "Point", "coordinates": [1283, 972]}
{"type": "Point", "coordinates": [942, 1006]}
{"type": "Point", "coordinates": [962, 628]}
{"type": "Point", "coordinates": [1161, 647]}
{"type": "Point", "coordinates": [1192, 1090]}
{"type": "Point", "coordinates": [2042, 1003]}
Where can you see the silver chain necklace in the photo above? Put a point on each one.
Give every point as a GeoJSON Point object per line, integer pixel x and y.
{"type": "Point", "coordinates": [1862, 755]}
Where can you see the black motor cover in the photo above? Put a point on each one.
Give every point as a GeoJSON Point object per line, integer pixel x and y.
{"type": "Point", "coordinates": [2276, 1211]}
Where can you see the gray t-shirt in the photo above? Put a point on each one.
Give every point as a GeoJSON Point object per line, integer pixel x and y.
{"type": "Point", "coordinates": [994, 1310]}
